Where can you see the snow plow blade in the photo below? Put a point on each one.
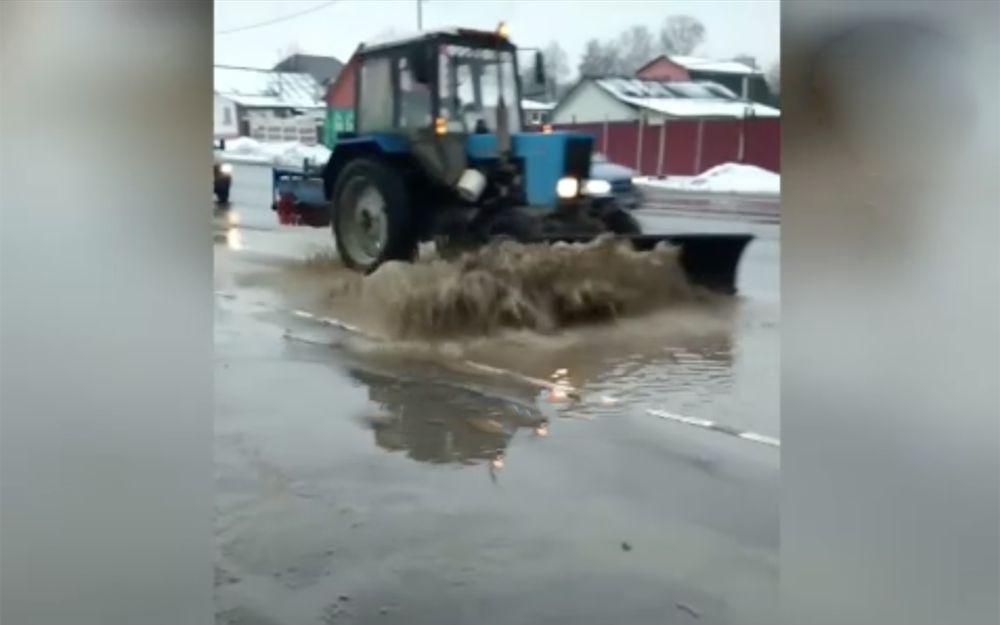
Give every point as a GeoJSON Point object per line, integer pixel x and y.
{"type": "Point", "coordinates": [710, 261]}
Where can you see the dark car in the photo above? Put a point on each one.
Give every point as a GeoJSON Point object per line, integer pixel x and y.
{"type": "Point", "coordinates": [613, 183]}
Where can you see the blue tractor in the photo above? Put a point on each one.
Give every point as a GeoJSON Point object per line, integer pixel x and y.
{"type": "Point", "coordinates": [439, 153]}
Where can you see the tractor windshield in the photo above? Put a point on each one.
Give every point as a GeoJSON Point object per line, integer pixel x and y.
{"type": "Point", "coordinates": [472, 83]}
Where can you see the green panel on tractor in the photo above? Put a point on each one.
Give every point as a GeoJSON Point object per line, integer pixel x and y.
{"type": "Point", "coordinates": [338, 120]}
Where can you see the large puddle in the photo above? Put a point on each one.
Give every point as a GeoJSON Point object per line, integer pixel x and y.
{"type": "Point", "coordinates": [617, 322]}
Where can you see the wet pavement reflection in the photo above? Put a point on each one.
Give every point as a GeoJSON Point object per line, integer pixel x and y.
{"type": "Point", "coordinates": [443, 424]}
{"type": "Point", "coordinates": [356, 484]}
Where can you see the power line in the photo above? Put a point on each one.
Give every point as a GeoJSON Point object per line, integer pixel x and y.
{"type": "Point", "coordinates": [277, 20]}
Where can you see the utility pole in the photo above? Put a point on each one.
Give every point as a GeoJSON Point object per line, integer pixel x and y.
{"type": "Point", "coordinates": [420, 14]}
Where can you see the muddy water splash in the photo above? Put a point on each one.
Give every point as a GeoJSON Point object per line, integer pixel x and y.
{"type": "Point", "coordinates": [506, 287]}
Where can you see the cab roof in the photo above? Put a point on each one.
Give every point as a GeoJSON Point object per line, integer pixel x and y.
{"type": "Point", "coordinates": [394, 40]}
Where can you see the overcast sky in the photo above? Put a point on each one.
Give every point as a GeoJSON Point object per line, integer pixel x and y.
{"type": "Point", "coordinates": [733, 27]}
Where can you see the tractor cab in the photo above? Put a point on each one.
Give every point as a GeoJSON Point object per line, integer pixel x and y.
{"type": "Point", "coordinates": [455, 81]}
{"type": "Point", "coordinates": [450, 100]}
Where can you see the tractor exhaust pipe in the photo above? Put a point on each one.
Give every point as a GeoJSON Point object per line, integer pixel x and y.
{"type": "Point", "coordinates": [503, 121]}
{"type": "Point", "coordinates": [503, 129]}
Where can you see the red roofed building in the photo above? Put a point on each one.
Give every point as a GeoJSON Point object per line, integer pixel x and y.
{"type": "Point", "coordinates": [340, 102]}
{"type": "Point", "coordinates": [746, 81]}
{"type": "Point", "coordinates": [340, 92]}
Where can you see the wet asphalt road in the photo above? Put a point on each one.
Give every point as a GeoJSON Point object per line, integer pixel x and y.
{"type": "Point", "coordinates": [356, 488]}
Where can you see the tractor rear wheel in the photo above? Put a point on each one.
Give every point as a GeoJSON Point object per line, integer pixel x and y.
{"type": "Point", "coordinates": [373, 220]}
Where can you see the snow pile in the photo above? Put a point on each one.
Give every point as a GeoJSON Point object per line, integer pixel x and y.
{"type": "Point", "coordinates": [737, 178]}
{"type": "Point", "coordinates": [732, 178]}
{"type": "Point", "coordinates": [296, 154]}
{"type": "Point", "coordinates": [243, 146]}
{"type": "Point", "coordinates": [288, 154]}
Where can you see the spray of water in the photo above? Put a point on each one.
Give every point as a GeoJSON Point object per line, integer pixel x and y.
{"type": "Point", "coordinates": [510, 286]}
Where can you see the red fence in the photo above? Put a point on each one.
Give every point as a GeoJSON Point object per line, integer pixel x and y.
{"type": "Point", "coordinates": [687, 147]}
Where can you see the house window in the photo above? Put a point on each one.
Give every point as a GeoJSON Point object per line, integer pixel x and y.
{"type": "Point", "coordinates": [375, 101]}
{"type": "Point", "coordinates": [227, 116]}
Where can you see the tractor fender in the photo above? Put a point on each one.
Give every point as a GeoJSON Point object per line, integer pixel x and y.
{"type": "Point", "coordinates": [342, 156]}
{"type": "Point", "coordinates": [402, 220]}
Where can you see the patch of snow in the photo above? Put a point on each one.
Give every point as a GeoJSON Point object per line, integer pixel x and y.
{"type": "Point", "coordinates": [286, 154]}
{"type": "Point", "coordinates": [392, 38]}
{"type": "Point", "coordinates": [732, 178]}
{"type": "Point", "coordinates": [684, 98]}
{"type": "Point", "coordinates": [677, 107]}
{"type": "Point", "coordinates": [243, 145]}
{"type": "Point", "coordinates": [709, 65]}
{"type": "Point", "coordinates": [534, 105]}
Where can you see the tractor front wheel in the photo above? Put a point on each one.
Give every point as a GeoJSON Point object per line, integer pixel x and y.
{"type": "Point", "coordinates": [619, 221]}
{"type": "Point", "coordinates": [514, 225]}
{"type": "Point", "coordinates": [373, 221]}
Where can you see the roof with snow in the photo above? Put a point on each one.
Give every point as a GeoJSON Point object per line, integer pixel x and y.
{"type": "Point", "coordinates": [322, 68]}
{"type": "Point", "coordinates": [696, 64]}
{"type": "Point", "coordinates": [534, 105]}
{"type": "Point", "coordinates": [692, 63]}
{"type": "Point", "coordinates": [683, 99]}
{"type": "Point", "coordinates": [397, 38]}
{"type": "Point", "coordinates": [261, 88]}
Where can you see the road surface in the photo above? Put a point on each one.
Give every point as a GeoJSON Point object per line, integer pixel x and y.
{"type": "Point", "coordinates": [355, 485]}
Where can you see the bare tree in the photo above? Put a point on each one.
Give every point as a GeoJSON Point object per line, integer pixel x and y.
{"type": "Point", "coordinates": [599, 59]}
{"type": "Point", "coordinates": [635, 47]}
{"type": "Point", "coordinates": [773, 77]}
{"type": "Point", "coordinates": [681, 34]}
{"type": "Point", "coordinates": [557, 68]}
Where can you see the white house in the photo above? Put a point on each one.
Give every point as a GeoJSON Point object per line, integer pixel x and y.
{"type": "Point", "coordinates": [596, 100]}
{"type": "Point", "coordinates": [270, 105]}
{"type": "Point", "coordinates": [226, 118]}
{"type": "Point", "coordinates": [537, 113]}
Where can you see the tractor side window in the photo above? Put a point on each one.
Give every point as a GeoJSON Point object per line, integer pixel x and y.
{"type": "Point", "coordinates": [414, 100]}
{"type": "Point", "coordinates": [375, 97]}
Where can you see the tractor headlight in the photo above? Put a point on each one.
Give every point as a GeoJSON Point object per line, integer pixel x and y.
{"type": "Point", "coordinates": [597, 187]}
{"type": "Point", "coordinates": [567, 188]}
{"type": "Point", "coordinates": [226, 168]}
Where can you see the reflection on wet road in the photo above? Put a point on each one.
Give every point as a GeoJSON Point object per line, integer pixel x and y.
{"type": "Point", "coordinates": [438, 423]}
{"type": "Point", "coordinates": [356, 484]}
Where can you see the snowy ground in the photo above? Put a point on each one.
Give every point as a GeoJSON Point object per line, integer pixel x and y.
{"type": "Point", "coordinates": [733, 178]}
{"type": "Point", "coordinates": [282, 154]}
{"type": "Point", "coordinates": [729, 178]}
